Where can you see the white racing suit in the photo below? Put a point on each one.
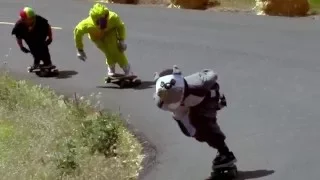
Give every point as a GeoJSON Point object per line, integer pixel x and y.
{"type": "Point", "coordinates": [196, 110]}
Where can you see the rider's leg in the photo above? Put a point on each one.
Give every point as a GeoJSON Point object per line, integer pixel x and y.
{"type": "Point", "coordinates": [111, 65]}
{"type": "Point", "coordinates": [36, 60]}
{"type": "Point", "coordinates": [114, 55]}
{"type": "Point", "coordinates": [209, 131]}
{"type": "Point", "coordinates": [46, 57]}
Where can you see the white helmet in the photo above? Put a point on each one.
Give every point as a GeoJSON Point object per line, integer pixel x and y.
{"type": "Point", "coordinates": [170, 89]}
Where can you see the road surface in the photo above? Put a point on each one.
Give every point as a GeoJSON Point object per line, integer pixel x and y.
{"type": "Point", "coordinates": [268, 68]}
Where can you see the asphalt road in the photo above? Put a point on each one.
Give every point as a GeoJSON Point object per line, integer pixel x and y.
{"type": "Point", "coordinates": [268, 68]}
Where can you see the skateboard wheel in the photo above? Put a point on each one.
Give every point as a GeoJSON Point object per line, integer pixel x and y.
{"type": "Point", "coordinates": [233, 172]}
{"type": "Point", "coordinates": [225, 173]}
{"type": "Point", "coordinates": [122, 84]}
{"type": "Point", "coordinates": [108, 80]}
{"type": "Point", "coordinates": [137, 81]}
{"type": "Point", "coordinates": [55, 72]}
{"type": "Point", "coordinates": [39, 73]}
{"type": "Point", "coordinates": [45, 70]}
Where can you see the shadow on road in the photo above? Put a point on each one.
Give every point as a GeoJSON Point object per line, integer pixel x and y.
{"type": "Point", "coordinates": [66, 74]}
{"type": "Point", "coordinates": [244, 175]}
{"type": "Point", "coordinates": [143, 85]}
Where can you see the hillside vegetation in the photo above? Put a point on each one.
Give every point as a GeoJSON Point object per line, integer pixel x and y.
{"type": "Point", "coordinates": [46, 136]}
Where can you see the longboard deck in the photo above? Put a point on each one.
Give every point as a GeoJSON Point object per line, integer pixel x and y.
{"type": "Point", "coordinates": [225, 173]}
{"type": "Point", "coordinates": [121, 77]}
{"type": "Point", "coordinates": [122, 80]}
{"type": "Point", "coordinates": [42, 68]}
{"type": "Point", "coordinates": [43, 72]}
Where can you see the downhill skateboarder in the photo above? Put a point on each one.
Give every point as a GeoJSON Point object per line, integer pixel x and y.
{"type": "Point", "coordinates": [107, 31]}
{"type": "Point", "coordinates": [194, 101]}
{"type": "Point", "coordinates": [36, 32]}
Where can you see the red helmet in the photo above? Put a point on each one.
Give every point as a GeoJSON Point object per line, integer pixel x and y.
{"type": "Point", "coordinates": [27, 13]}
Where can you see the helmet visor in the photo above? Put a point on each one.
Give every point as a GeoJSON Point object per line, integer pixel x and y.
{"type": "Point", "coordinates": [102, 22]}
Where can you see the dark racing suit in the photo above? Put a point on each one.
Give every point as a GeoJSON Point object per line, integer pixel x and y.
{"type": "Point", "coordinates": [197, 113]}
{"type": "Point", "coordinates": [37, 37]}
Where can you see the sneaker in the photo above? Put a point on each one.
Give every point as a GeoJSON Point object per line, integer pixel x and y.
{"type": "Point", "coordinates": [127, 70]}
{"type": "Point", "coordinates": [48, 66]}
{"type": "Point", "coordinates": [111, 70]}
{"type": "Point", "coordinates": [34, 66]}
{"type": "Point", "coordinates": [224, 160]}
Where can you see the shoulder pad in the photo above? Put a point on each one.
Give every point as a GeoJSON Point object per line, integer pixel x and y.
{"type": "Point", "coordinates": [203, 80]}
{"type": "Point", "coordinates": [174, 70]}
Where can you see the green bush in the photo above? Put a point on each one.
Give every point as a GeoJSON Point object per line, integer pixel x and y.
{"type": "Point", "coordinates": [44, 136]}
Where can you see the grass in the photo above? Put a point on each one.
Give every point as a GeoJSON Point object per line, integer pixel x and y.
{"type": "Point", "coordinates": [248, 4]}
{"type": "Point", "coordinates": [45, 136]}
{"type": "Point", "coordinates": [239, 4]}
{"type": "Point", "coordinates": [315, 4]}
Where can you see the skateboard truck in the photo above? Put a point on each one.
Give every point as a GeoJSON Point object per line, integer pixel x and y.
{"type": "Point", "coordinates": [44, 71]}
{"type": "Point", "coordinates": [121, 80]}
{"type": "Point", "coordinates": [224, 173]}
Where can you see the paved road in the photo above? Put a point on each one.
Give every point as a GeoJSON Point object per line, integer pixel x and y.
{"type": "Point", "coordinates": [269, 70]}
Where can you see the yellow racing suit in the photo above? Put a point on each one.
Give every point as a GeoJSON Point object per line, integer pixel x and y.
{"type": "Point", "coordinates": [107, 40]}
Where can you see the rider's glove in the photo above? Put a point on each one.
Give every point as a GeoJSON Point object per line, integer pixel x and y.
{"type": "Point", "coordinates": [223, 101]}
{"type": "Point", "coordinates": [25, 50]}
{"type": "Point", "coordinates": [48, 41]}
{"type": "Point", "coordinates": [81, 55]}
{"type": "Point", "coordinates": [122, 45]}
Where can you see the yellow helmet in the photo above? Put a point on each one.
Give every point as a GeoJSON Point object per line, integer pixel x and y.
{"type": "Point", "coordinates": [98, 13]}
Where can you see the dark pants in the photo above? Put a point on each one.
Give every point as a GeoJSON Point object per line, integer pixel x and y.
{"type": "Point", "coordinates": [207, 130]}
{"type": "Point", "coordinates": [41, 53]}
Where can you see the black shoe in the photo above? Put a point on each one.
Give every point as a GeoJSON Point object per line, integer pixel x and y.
{"type": "Point", "coordinates": [224, 160]}
{"type": "Point", "coordinates": [50, 66]}
{"type": "Point", "coordinates": [33, 67]}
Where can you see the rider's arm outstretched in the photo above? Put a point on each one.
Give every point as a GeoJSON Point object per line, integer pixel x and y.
{"type": "Point", "coordinates": [121, 31]}
{"type": "Point", "coordinates": [16, 31]}
{"type": "Point", "coordinates": [121, 28]}
{"type": "Point", "coordinates": [79, 31]}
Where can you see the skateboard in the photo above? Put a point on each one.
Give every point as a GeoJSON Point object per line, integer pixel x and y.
{"type": "Point", "coordinates": [121, 80]}
{"type": "Point", "coordinates": [225, 173]}
{"type": "Point", "coordinates": [44, 72]}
